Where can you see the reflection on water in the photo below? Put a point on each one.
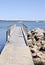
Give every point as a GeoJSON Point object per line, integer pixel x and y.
{"type": "Point", "coordinates": [4, 27]}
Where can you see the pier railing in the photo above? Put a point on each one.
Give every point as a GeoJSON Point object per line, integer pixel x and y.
{"type": "Point", "coordinates": [24, 32]}
{"type": "Point", "coordinates": [10, 32]}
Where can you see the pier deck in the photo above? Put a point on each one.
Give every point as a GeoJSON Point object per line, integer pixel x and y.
{"type": "Point", "coordinates": [15, 51]}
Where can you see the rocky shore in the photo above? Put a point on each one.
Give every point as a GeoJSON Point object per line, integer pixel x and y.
{"type": "Point", "coordinates": [36, 43]}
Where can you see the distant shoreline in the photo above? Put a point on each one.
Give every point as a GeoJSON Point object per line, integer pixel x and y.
{"type": "Point", "coordinates": [22, 21]}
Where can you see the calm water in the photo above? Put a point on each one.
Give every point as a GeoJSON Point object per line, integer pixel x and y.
{"type": "Point", "coordinates": [4, 28]}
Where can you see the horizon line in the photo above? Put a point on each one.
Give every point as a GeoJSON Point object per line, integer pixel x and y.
{"type": "Point", "coordinates": [21, 20]}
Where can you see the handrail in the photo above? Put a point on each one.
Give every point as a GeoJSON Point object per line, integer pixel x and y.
{"type": "Point", "coordinates": [9, 32]}
{"type": "Point", "coordinates": [24, 35]}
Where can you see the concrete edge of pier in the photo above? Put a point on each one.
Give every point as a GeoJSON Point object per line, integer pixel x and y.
{"type": "Point", "coordinates": [16, 54]}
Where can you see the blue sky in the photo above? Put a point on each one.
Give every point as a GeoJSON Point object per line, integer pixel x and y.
{"type": "Point", "coordinates": [22, 9]}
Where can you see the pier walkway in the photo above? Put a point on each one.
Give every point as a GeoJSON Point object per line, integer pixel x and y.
{"type": "Point", "coordinates": [15, 51]}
